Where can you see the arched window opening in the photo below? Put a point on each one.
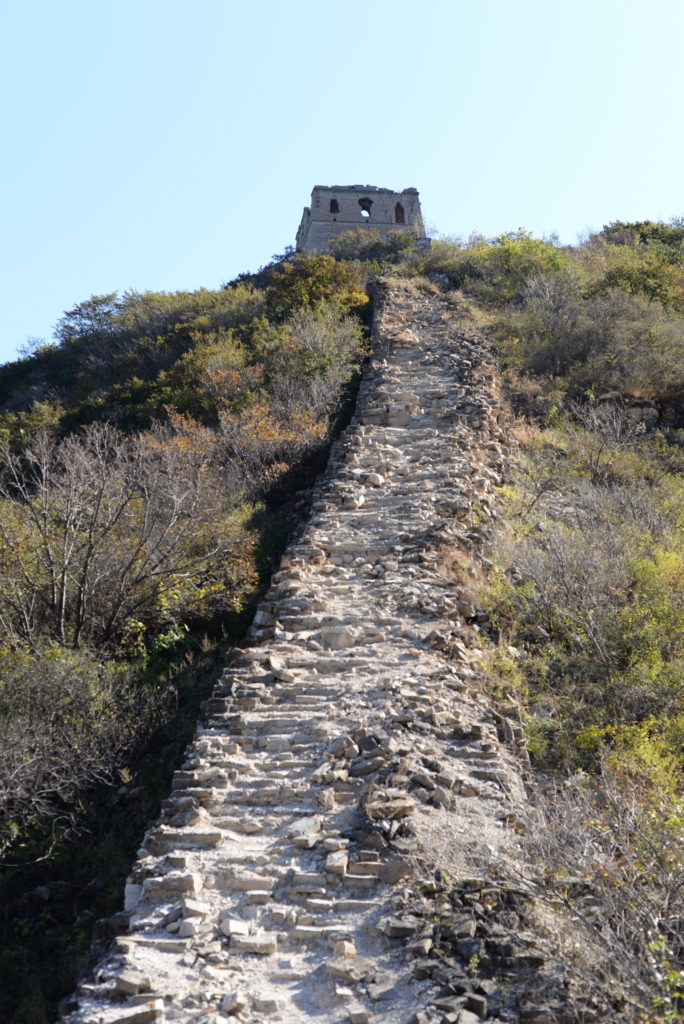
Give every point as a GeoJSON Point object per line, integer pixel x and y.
{"type": "Point", "coordinates": [399, 217]}
{"type": "Point", "coordinates": [334, 206]}
{"type": "Point", "coordinates": [365, 205]}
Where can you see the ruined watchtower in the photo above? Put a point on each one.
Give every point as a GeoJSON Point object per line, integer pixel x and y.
{"type": "Point", "coordinates": [339, 208]}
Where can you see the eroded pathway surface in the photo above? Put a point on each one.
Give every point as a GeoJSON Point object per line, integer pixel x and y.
{"type": "Point", "coordinates": [350, 742]}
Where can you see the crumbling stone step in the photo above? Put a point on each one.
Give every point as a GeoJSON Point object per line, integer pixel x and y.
{"type": "Point", "coordinates": [355, 906]}
{"type": "Point", "coordinates": [315, 933]}
{"type": "Point", "coordinates": [266, 796]}
{"type": "Point", "coordinates": [252, 883]}
{"type": "Point", "coordinates": [354, 881]}
{"type": "Point", "coordinates": [284, 726]}
{"type": "Point", "coordinates": [172, 839]}
{"type": "Point", "coordinates": [263, 945]}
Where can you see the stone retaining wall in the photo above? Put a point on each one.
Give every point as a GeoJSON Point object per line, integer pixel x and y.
{"type": "Point", "coordinates": [351, 744]}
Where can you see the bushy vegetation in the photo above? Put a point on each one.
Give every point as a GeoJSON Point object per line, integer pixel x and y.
{"type": "Point", "coordinates": [127, 359]}
{"type": "Point", "coordinates": [589, 586]}
{"type": "Point", "coordinates": [605, 315]}
{"type": "Point", "coordinates": [372, 248]}
{"type": "Point", "coordinates": [587, 606]}
{"type": "Point", "coordinates": [64, 727]}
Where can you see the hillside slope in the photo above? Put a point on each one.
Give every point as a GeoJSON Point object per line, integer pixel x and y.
{"type": "Point", "coordinates": [351, 747]}
{"type": "Point", "coordinates": [533, 567]}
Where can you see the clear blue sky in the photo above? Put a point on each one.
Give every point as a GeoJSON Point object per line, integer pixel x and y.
{"type": "Point", "coordinates": [160, 144]}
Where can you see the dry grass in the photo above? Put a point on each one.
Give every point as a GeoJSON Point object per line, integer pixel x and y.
{"type": "Point", "coordinates": [526, 433]}
{"type": "Point", "coordinates": [459, 566]}
{"type": "Point", "coordinates": [465, 841]}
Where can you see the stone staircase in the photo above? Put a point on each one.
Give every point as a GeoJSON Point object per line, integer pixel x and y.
{"type": "Point", "coordinates": [350, 744]}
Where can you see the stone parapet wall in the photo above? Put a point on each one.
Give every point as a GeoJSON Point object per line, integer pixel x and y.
{"type": "Point", "coordinates": [350, 744]}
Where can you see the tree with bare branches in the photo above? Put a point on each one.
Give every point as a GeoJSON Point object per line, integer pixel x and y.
{"type": "Point", "coordinates": [99, 529]}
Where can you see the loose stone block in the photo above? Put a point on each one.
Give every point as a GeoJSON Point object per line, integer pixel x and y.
{"type": "Point", "coordinates": [335, 844]}
{"type": "Point", "coordinates": [399, 928]}
{"type": "Point", "coordinates": [447, 778]}
{"type": "Point", "coordinates": [421, 947]}
{"type": "Point", "coordinates": [344, 746]}
{"type": "Point", "coordinates": [266, 1004]}
{"type": "Point", "coordinates": [148, 1012]}
{"type": "Point", "coordinates": [307, 842]}
{"type": "Point", "coordinates": [264, 944]}
{"type": "Point", "coordinates": [235, 1002]}
{"type": "Point", "coordinates": [367, 767]}
{"type": "Point", "coordinates": [468, 1017]}
{"type": "Point", "coordinates": [231, 926]}
{"type": "Point", "coordinates": [188, 927]}
{"type": "Point", "coordinates": [353, 968]}
{"type": "Point", "coordinates": [466, 788]}
{"type": "Point", "coordinates": [132, 894]}
{"type": "Point", "coordinates": [383, 987]}
{"type": "Point", "coordinates": [344, 948]}
{"type": "Point", "coordinates": [172, 884]}
{"type": "Point", "coordinates": [392, 808]}
{"type": "Point", "coordinates": [335, 638]}
{"type": "Point", "coordinates": [336, 862]}
{"type": "Point", "coordinates": [278, 743]}
{"type": "Point", "coordinates": [304, 826]}
{"type": "Point", "coordinates": [130, 983]}
{"type": "Point", "coordinates": [208, 839]}
{"type": "Point", "coordinates": [477, 1003]}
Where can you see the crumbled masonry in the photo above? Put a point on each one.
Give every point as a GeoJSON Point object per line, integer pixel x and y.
{"type": "Point", "coordinates": [350, 744]}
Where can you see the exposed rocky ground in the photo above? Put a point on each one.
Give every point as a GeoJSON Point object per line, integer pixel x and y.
{"type": "Point", "coordinates": [324, 852]}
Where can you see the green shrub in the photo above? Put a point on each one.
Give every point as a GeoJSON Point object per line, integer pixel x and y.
{"type": "Point", "coordinates": [493, 270]}
{"type": "Point", "coordinates": [593, 555]}
{"type": "Point", "coordinates": [368, 246]}
{"type": "Point", "coordinates": [67, 720]}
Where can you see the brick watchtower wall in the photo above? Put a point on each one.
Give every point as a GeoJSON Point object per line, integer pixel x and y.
{"type": "Point", "coordinates": [338, 208]}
